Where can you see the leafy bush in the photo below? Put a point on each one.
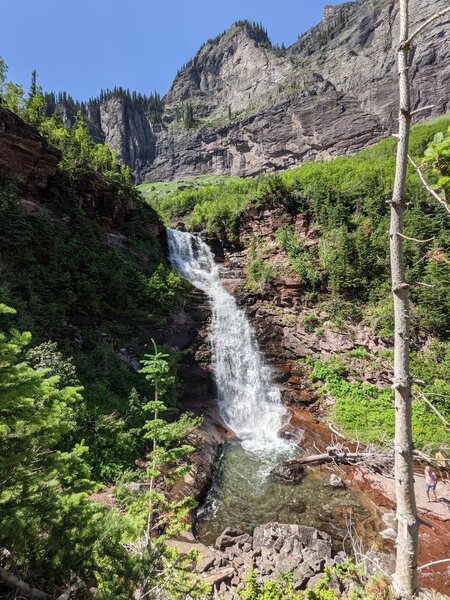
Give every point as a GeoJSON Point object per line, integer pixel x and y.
{"type": "Point", "coordinates": [260, 272]}
{"type": "Point", "coordinates": [366, 412]}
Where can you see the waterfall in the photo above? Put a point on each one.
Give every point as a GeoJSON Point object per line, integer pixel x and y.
{"type": "Point", "coordinates": [249, 402]}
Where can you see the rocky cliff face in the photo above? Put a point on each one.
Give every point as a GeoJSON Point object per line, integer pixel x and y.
{"type": "Point", "coordinates": [288, 324]}
{"type": "Point", "coordinates": [25, 154]}
{"type": "Point", "coordinates": [32, 161]}
{"type": "Point", "coordinates": [260, 109]}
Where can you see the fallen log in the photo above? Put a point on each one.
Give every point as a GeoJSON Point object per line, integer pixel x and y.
{"type": "Point", "coordinates": [15, 582]}
{"type": "Point", "coordinates": [371, 458]}
{"type": "Point", "coordinates": [338, 457]}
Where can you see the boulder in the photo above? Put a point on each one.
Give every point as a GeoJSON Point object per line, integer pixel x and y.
{"type": "Point", "coordinates": [289, 471]}
{"type": "Point", "coordinates": [232, 537]}
{"type": "Point", "coordinates": [205, 564]}
{"type": "Point", "coordinates": [219, 576]}
{"type": "Point", "coordinates": [334, 482]}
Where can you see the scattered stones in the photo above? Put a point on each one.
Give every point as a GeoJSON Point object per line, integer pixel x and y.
{"type": "Point", "coordinates": [278, 548]}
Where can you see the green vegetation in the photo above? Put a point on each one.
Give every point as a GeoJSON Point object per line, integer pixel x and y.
{"type": "Point", "coordinates": [211, 203]}
{"type": "Point", "coordinates": [345, 202]}
{"type": "Point", "coordinates": [346, 576]}
{"type": "Point", "coordinates": [151, 105]}
{"type": "Point", "coordinates": [366, 412]}
{"type": "Point", "coordinates": [54, 533]}
{"type": "Point", "coordinates": [74, 416]}
{"type": "Point", "coordinates": [344, 266]}
{"type": "Point", "coordinates": [70, 287]}
{"type": "Point", "coordinates": [260, 271]}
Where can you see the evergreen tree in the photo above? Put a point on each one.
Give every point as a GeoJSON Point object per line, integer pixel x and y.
{"type": "Point", "coordinates": [3, 72]}
{"type": "Point", "coordinates": [35, 106]}
{"type": "Point", "coordinates": [188, 117]}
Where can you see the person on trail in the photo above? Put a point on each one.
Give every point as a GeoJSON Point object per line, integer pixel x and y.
{"type": "Point", "coordinates": [443, 465]}
{"type": "Point", "coordinates": [430, 483]}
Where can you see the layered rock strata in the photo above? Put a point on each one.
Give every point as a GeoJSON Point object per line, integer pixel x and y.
{"type": "Point", "coordinates": [258, 109]}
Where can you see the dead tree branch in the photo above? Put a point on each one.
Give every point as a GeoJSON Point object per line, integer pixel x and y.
{"type": "Point", "coordinates": [411, 239]}
{"type": "Point", "coordinates": [422, 109]}
{"type": "Point", "coordinates": [407, 43]}
{"type": "Point", "coordinates": [77, 584]}
{"type": "Point", "coordinates": [427, 186]}
{"type": "Point", "coordinates": [340, 455]}
{"type": "Point", "coordinates": [333, 430]}
{"type": "Point", "coordinates": [435, 562]}
{"type": "Point", "coordinates": [435, 410]}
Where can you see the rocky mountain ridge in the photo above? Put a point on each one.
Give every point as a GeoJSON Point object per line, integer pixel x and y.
{"type": "Point", "coordinates": [257, 108]}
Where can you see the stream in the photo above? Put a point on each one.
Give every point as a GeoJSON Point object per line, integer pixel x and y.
{"type": "Point", "coordinates": [243, 494]}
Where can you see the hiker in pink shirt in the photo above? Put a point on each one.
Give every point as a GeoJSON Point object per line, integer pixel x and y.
{"type": "Point", "coordinates": [430, 483]}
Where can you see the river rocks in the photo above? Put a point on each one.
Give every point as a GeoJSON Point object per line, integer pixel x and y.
{"type": "Point", "coordinates": [289, 471]}
{"type": "Point", "coordinates": [273, 550]}
{"type": "Point", "coordinates": [334, 481]}
{"type": "Point", "coordinates": [295, 505]}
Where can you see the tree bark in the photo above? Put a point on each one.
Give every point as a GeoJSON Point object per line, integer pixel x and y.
{"type": "Point", "coordinates": [405, 578]}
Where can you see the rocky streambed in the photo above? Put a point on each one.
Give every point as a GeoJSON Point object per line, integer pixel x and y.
{"type": "Point", "coordinates": [273, 550]}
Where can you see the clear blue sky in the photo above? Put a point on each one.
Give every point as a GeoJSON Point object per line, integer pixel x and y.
{"type": "Point", "coordinates": [81, 46]}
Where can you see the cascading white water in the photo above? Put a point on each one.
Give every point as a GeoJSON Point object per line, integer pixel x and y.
{"type": "Point", "coordinates": [249, 403]}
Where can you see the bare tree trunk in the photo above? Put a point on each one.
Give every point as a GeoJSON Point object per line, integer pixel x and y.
{"type": "Point", "coordinates": [405, 578]}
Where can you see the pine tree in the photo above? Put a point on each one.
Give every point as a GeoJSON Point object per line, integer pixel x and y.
{"type": "Point", "coordinates": [188, 118]}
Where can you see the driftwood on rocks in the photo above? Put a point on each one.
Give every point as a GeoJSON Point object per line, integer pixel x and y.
{"type": "Point", "coordinates": [375, 460]}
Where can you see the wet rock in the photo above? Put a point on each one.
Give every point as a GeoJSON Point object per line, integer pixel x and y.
{"type": "Point", "coordinates": [334, 482]}
{"type": "Point", "coordinates": [289, 432]}
{"type": "Point", "coordinates": [289, 471]}
{"type": "Point", "coordinates": [390, 533]}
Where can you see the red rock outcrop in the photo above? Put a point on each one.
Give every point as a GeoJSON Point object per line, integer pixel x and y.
{"type": "Point", "coordinates": [25, 154]}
